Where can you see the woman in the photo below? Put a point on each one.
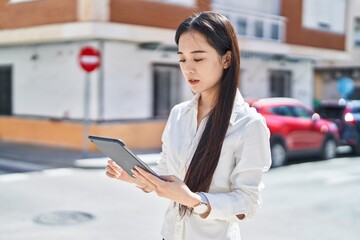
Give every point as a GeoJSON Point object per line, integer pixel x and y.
{"type": "Point", "coordinates": [215, 147]}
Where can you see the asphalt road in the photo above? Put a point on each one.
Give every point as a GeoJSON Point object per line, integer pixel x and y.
{"type": "Point", "coordinates": [307, 201]}
{"type": "Point", "coordinates": [310, 201]}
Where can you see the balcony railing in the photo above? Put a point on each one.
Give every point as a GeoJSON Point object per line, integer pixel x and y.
{"type": "Point", "coordinates": [254, 24]}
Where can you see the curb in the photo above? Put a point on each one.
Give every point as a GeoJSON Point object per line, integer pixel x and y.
{"type": "Point", "coordinates": [150, 159]}
{"type": "Point", "coordinates": [21, 166]}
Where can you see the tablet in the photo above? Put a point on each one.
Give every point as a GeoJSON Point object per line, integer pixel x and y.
{"type": "Point", "coordinates": [116, 150]}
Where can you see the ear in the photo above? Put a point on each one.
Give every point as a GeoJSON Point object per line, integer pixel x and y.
{"type": "Point", "coordinates": [227, 60]}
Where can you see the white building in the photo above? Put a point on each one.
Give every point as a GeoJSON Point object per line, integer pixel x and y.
{"type": "Point", "coordinates": [42, 85]}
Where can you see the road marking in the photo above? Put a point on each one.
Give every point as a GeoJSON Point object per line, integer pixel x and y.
{"type": "Point", "coordinates": [58, 172]}
{"type": "Point", "coordinates": [21, 165]}
{"type": "Point", "coordinates": [343, 179]}
{"type": "Point", "coordinates": [14, 177]}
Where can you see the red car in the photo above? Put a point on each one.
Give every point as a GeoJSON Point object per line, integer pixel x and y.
{"type": "Point", "coordinates": [296, 130]}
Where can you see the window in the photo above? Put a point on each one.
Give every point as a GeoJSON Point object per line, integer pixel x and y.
{"type": "Point", "coordinates": [301, 112]}
{"type": "Point", "coordinates": [275, 31]}
{"type": "Point", "coordinates": [259, 29]}
{"type": "Point", "coordinates": [241, 26]}
{"type": "Point", "coordinates": [357, 32]}
{"type": "Point", "coordinates": [263, 6]}
{"type": "Point", "coordinates": [19, 1]}
{"type": "Point", "coordinates": [320, 15]}
{"type": "Point", "coordinates": [167, 88]}
{"type": "Point", "coordinates": [281, 111]}
{"type": "Point", "coordinates": [188, 3]}
{"type": "Point", "coordinates": [280, 83]}
{"type": "Point", "coordinates": [292, 111]}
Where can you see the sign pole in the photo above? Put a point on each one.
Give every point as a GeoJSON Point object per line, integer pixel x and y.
{"type": "Point", "coordinates": [89, 59]}
{"type": "Point", "coordinates": [86, 121]}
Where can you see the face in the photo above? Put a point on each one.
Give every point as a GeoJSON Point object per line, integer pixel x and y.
{"type": "Point", "coordinates": [200, 64]}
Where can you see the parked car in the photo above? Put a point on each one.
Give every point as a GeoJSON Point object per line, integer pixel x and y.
{"type": "Point", "coordinates": [296, 130]}
{"type": "Point", "coordinates": [346, 115]}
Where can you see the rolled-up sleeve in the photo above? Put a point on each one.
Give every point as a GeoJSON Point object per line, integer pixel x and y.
{"type": "Point", "coordinates": [252, 158]}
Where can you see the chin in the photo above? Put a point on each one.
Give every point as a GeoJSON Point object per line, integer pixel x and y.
{"type": "Point", "coordinates": [195, 91]}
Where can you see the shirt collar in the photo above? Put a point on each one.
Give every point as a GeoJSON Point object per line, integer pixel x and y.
{"type": "Point", "coordinates": [193, 103]}
{"type": "Point", "coordinates": [239, 100]}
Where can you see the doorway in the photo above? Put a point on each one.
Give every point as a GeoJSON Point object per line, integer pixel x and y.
{"type": "Point", "coordinates": [5, 90]}
{"type": "Point", "coordinates": [280, 83]}
{"type": "Point", "coordinates": [167, 88]}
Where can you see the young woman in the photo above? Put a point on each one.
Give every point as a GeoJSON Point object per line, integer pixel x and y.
{"type": "Point", "coordinates": [215, 147]}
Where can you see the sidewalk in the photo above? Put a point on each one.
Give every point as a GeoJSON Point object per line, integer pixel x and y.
{"type": "Point", "coordinates": [39, 156]}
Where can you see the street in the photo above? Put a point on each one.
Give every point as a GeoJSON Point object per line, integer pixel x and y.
{"type": "Point", "coordinates": [307, 201]}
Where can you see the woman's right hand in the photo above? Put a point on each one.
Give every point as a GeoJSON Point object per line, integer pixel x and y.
{"type": "Point", "coordinates": [115, 171]}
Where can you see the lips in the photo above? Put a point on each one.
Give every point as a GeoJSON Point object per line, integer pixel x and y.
{"type": "Point", "coordinates": [193, 81]}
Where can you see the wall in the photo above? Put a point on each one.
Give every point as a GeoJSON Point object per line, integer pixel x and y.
{"type": "Point", "coordinates": [129, 79]}
{"type": "Point", "coordinates": [255, 78]}
{"type": "Point", "coordinates": [26, 14]}
{"type": "Point", "coordinates": [127, 86]}
{"type": "Point", "coordinates": [48, 80]}
{"type": "Point", "coordinates": [136, 135]}
{"type": "Point", "coordinates": [52, 84]}
{"type": "Point", "coordinates": [150, 13]}
{"type": "Point", "coordinates": [296, 34]}
{"type": "Point", "coordinates": [259, 6]}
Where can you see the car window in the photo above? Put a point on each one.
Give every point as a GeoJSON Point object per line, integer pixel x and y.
{"type": "Point", "coordinates": [301, 112]}
{"type": "Point", "coordinates": [355, 110]}
{"type": "Point", "coordinates": [281, 111]}
{"type": "Point", "coordinates": [330, 112]}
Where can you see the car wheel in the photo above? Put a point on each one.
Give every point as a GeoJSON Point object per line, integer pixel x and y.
{"type": "Point", "coordinates": [278, 154]}
{"type": "Point", "coordinates": [356, 149]}
{"type": "Point", "coordinates": [329, 149]}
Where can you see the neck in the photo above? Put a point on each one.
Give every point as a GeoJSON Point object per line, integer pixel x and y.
{"type": "Point", "coordinates": [206, 102]}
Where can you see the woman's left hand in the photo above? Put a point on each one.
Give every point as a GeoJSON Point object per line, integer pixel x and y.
{"type": "Point", "coordinates": [169, 187]}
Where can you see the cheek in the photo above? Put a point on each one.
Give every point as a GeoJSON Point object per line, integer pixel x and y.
{"type": "Point", "coordinates": [214, 71]}
{"type": "Point", "coordinates": [181, 68]}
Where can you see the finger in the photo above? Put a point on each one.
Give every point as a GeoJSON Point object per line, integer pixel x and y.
{"type": "Point", "coordinates": [144, 187]}
{"type": "Point", "coordinates": [150, 177]}
{"type": "Point", "coordinates": [111, 175]}
{"type": "Point", "coordinates": [147, 190]}
{"type": "Point", "coordinates": [112, 171]}
{"type": "Point", "coordinates": [139, 183]}
{"type": "Point", "coordinates": [114, 165]}
{"type": "Point", "coordinates": [139, 178]}
{"type": "Point", "coordinates": [143, 179]}
{"type": "Point", "coordinates": [168, 178]}
{"type": "Point", "coordinates": [110, 167]}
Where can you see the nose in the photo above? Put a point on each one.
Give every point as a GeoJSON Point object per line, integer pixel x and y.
{"type": "Point", "coordinates": [188, 68]}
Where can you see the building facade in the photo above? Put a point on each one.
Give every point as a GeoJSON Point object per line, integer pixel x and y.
{"type": "Point", "coordinates": [331, 76]}
{"type": "Point", "coordinates": [42, 85]}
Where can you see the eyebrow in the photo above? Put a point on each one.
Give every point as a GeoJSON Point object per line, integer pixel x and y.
{"type": "Point", "coordinates": [196, 51]}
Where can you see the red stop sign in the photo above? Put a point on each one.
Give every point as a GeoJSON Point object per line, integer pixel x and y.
{"type": "Point", "coordinates": [89, 58]}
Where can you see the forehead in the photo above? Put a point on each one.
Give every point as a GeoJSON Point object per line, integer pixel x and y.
{"type": "Point", "coordinates": [193, 41]}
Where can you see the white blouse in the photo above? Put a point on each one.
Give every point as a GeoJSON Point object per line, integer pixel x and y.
{"type": "Point", "coordinates": [237, 181]}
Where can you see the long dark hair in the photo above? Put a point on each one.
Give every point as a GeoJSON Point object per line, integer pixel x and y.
{"type": "Point", "coordinates": [220, 34]}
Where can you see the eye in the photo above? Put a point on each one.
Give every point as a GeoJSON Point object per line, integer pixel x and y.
{"type": "Point", "coordinates": [181, 60]}
{"type": "Point", "coordinates": [198, 60]}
